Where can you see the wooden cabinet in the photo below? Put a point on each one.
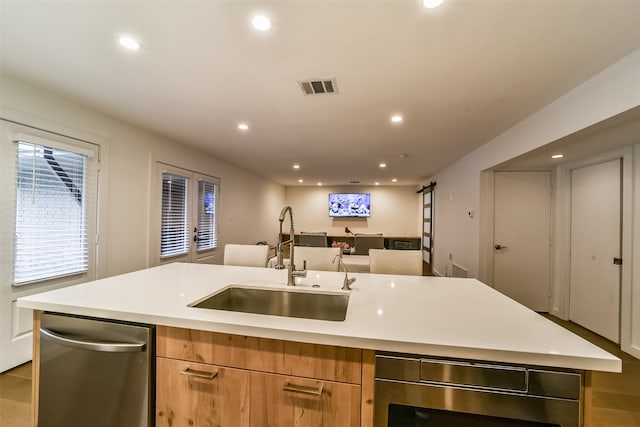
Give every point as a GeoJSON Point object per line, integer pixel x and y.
{"type": "Point", "coordinates": [260, 382]}
{"type": "Point", "coordinates": [261, 354]}
{"type": "Point", "coordinates": [278, 400]}
{"type": "Point", "coordinates": [197, 394]}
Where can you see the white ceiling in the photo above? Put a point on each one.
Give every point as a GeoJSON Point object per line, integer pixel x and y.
{"type": "Point", "coordinates": [460, 74]}
{"type": "Point", "coordinates": [616, 132]}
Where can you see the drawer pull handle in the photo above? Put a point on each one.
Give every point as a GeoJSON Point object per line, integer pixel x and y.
{"type": "Point", "coordinates": [200, 374]}
{"type": "Point", "coordinates": [302, 389]}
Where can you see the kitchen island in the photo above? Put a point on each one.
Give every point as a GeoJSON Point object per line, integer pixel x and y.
{"type": "Point", "coordinates": [439, 317]}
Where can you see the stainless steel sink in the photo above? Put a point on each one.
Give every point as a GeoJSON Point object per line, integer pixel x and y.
{"type": "Point", "coordinates": [278, 302]}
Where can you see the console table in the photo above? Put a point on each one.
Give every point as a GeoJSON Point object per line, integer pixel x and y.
{"type": "Point", "coordinates": [353, 263]}
{"type": "Point", "coordinates": [390, 242]}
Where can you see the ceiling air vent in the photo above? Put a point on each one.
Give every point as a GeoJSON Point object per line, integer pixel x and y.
{"type": "Point", "coordinates": [318, 87]}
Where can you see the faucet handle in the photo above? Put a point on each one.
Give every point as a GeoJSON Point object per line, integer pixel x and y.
{"type": "Point", "coordinates": [299, 273]}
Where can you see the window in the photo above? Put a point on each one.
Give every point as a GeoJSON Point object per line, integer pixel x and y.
{"type": "Point", "coordinates": [52, 206]}
{"type": "Point", "coordinates": [188, 218]}
{"type": "Point", "coordinates": [175, 223]}
{"type": "Point", "coordinates": [206, 235]}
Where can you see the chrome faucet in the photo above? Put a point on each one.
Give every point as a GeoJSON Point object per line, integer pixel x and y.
{"type": "Point", "coordinates": [346, 285]}
{"type": "Point", "coordinates": [292, 273]}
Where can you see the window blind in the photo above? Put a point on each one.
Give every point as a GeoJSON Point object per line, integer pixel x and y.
{"type": "Point", "coordinates": [174, 235]}
{"type": "Point", "coordinates": [207, 232]}
{"type": "Point", "coordinates": [51, 213]}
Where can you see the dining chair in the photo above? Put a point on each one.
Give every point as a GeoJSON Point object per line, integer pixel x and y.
{"type": "Point", "coordinates": [364, 242]}
{"type": "Point", "coordinates": [246, 255]}
{"type": "Point", "coordinates": [391, 261]}
{"type": "Point", "coordinates": [317, 258]}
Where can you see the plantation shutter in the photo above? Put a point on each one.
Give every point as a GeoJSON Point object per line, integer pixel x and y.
{"type": "Point", "coordinates": [207, 233]}
{"type": "Point", "coordinates": [174, 239]}
{"type": "Point", "coordinates": [51, 229]}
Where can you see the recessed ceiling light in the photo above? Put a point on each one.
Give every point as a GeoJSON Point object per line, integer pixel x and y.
{"type": "Point", "coordinates": [394, 180]}
{"type": "Point", "coordinates": [296, 166]}
{"type": "Point", "coordinates": [557, 156]}
{"type": "Point", "coordinates": [243, 126]}
{"type": "Point", "coordinates": [319, 183]}
{"type": "Point", "coordinates": [261, 23]}
{"type": "Point", "coordinates": [383, 165]}
{"type": "Point", "coordinates": [397, 118]}
{"type": "Point", "coordinates": [377, 183]}
{"type": "Point", "coordinates": [430, 4]}
{"type": "Point", "coordinates": [300, 180]}
{"type": "Point", "coordinates": [129, 43]}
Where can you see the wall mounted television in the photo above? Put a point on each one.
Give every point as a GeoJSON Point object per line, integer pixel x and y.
{"type": "Point", "coordinates": [349, 205]}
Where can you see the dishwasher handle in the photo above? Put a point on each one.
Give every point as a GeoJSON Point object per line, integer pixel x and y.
{"type": "Point", "coordinates": [103, 346]}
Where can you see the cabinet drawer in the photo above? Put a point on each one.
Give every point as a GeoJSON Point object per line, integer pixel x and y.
{"type": "Point", "coordinates": [261, 354]}
{"type": "Point", "coordinates": [198, 394]}
{"type": "Point", "coordinates": [278, 400]}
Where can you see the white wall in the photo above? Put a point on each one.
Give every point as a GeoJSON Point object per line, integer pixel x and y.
{"type": "Point", "coordinates": [455, 236]}
{"type": "Point", "coordinates": [613, 91]}
{"type": "Point", "coordinates": [631, 307]}
{"type": "Point", "coordinates": [462, 186]}
{"type": "Point", "coordinates": [395, 210]}
{"type": "Point", "coordinates": [249, 204]}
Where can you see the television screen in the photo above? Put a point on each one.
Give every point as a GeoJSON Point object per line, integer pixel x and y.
{"type": "Point", "coordinates": [349, 205]}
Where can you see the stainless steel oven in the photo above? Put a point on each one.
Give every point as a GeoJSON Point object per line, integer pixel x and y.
{"type": "Point", "coordinates": [420, 391]}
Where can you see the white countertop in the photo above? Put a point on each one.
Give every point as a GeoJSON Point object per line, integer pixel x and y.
{"type": "Point", "coordinates": [451, 317]}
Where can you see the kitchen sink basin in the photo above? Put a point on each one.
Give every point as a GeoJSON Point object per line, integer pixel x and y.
{"type": "Point", "coordinates": [278, 302]}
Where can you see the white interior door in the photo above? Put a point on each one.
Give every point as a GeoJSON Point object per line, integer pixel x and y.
{"type": "Point", "coordinates": [595, 242]}
{"type": "Point", "coordinates": [522, 218]}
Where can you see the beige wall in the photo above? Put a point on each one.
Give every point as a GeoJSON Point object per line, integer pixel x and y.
{"type": "Point", "coordinates": [395, 210]}
{"type": "Point", "coordinates": [249, 204]}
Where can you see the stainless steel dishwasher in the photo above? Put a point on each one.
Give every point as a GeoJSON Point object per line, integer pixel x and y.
{"type": "Point", "coordinates": [95, 373]}
{"type": "Point", "coordinates": [422, 391]}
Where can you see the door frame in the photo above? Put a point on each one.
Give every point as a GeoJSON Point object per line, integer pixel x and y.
{"type": "Point", "coordinates": [487, 218]}
{"type": "Point", "coordinates": [16, 323]}
{"type": "Point", "coordinates": [561, 241]}
{"type": "Point", "coordinates": [207, 256]}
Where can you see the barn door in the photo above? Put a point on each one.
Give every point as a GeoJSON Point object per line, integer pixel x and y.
{"type": "Point", "coordinates": [427, 229]}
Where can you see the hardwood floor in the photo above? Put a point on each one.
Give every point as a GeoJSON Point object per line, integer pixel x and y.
{"type": "Point", "coordinates": [15, 397]}
{"type": "Point", "coordinates": [426, 269]}
{"type": "Point", "coordinates": [614, 400]}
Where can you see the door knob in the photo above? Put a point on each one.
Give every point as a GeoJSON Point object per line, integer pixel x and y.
{"type": "Point", "coordinates": [498, 247]}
